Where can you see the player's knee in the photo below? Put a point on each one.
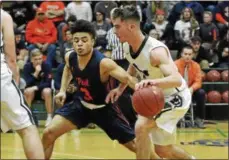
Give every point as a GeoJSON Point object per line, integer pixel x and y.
{"type": "Point", "coordinates": [141, 128]}
{"type": "Point", "coordinates": [47, 92]}
{"type": "Point", "coordinates": [164, 151]}
{"type": "Point", "coordinates": [48, 135]}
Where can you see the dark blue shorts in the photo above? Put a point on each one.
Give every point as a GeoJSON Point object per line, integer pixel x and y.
{"type": "Point", "coordinates": [109, 118]}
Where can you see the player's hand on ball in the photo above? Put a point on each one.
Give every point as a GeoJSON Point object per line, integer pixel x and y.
{"type": "Point", "coordinates": [113, 95]}
{"type": "Point", "coordinates": [145, 83]}
{"type": "Point", "coordinates": [60, 98]}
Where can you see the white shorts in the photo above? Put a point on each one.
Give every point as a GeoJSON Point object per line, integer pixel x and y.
{"type": "Point", "coordinates": [165, 132]}
{"type": "Point", "coordinates": [15, 114]}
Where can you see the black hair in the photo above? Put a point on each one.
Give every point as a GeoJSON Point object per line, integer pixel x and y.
{"type": "Point", "coordinates": [72, 18]}
{"type": "Point", "coordinates": [196, 39]}
{"type": "Point", "coordinates": [126, 13]}
{"type": "Point", "coordinates": [83, 26]}
{"type": "Point", "coordinates": [187, 47]}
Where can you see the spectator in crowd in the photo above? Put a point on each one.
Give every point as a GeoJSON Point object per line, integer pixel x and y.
{"type": "Point", "coordinates": [54, 11]}
{"type": "Point", "coordinates": [191, 72]}
{"type": "Point", "coordinates": [38, 78]}
{"type": "Point", "coordinates": [186, 27]}
{"type": "Point", "coordinates": [102, 27]}
{"type": "Point", "coordinates": [79, 9]}
{"type": "Point", "coordinates": [105, 7]}
{"type": "Point", "coordinates": [163, 27]}
{"type": "Point", "coordinates": [21, 50]}
{"type": "Point", "coordinates": [179, 7]}
{"type": "Point", "coordinates": [21, 12]}
{"type": "Point", "coordinates": [41, 33]}
{"type": "Point", "coordinates": [208, 31]}
{"type": "Point", "coordinates": [63, 36]}
{"type": "Point", "coordinates": [222, 17]}
{"type": "Point", "coordinates": [200, 55]}
{"type": "Point", "coordinates": [223, 51]}
{"type": "Point", "coordinates": [68, 44]}
{"type": "Point", "coordinates": [152, 8]}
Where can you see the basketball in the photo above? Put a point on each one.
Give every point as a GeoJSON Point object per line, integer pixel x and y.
{"type": "Point", "coordinates": [224, 76]}
{"type": "Point", "coordinates": [148, 101]}
{"type": "Point", "coordinates": [225, 96]}
{"type": "Point", "coordinates": [214, 97]}
{"type": "Point", "coordinates": [203, 76]}
{"type": "Point", "coordinates": [213, 76]}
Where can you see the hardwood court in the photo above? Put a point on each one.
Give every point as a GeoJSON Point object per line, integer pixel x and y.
{"type": "Point", "coordinates": [94, 144]}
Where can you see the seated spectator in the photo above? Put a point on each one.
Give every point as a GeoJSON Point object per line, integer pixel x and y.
{"type": "Point", "coordinates": [102, 27]}
{"type": "Point", "coordinates": [21, 50]}
{"type": "Point", "coordinates": [22, 12]}
{"type": "Point", "coordinates": [152, 8]}
{"type": "Point", "coordinates": [54, 11]}
{"type": "Point", "coordinates": [154, 33]}
{"type": "Point", "coordinates": [79, 9]}
{"type": "Point", "coordinates": [63, 37]}
{"type": "Point", "coordinates": [186, 27]}
{"type": "Point", "coordinates": [37, 75]}
{"type": "Point", "coordinates": [196, 7]}
{"type": "Point", "coordinates": [71, 90]}
{"type": "Point", "coordinates": [222, 17]}
{"type": "Point", "coordinates": [41, 33]}
{"type": "Point", "coordinates": [191, 72]}
{"type": "Point", "coordinates": [164, 29]}
{"type": "Point", "coordinates": [68, 44]}
{"type": "Point", "coordinates": [208, 32]}
{"type": "Point", "coordinates": [105, 7]}
{"type": "Point", "coordinates": [223, 51]}
{"type": "Point", "coordinates": [200, 55]}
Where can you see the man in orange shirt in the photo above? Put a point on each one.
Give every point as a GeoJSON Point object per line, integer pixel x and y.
{"type": "Point", "coordinates": [191, 72]}
{"type": "Point", "coordinates": [41, 33]}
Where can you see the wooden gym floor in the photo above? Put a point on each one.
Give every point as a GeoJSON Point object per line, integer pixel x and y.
{"type": "Point", "coordinates": [94, 144]}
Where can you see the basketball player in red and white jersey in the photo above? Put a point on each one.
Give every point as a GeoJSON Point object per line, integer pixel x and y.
{"type": "Point", "coordinates": [150, 58]}
{"type": "Point", "coordinates": [15, 114]}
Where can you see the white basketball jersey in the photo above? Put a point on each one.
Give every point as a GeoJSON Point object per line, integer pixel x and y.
{"type": "Point", "coordinates": [141, 62]}
{"type": "Point", "coordinates": [4, 66]}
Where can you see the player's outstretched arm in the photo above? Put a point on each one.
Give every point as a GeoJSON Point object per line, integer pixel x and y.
{"type": "Point", "coordinates": [9, 44]}
{"type": "Point", "coordinates": [67, 76]}
{"type": "Point", "coordinates": [114, 70]}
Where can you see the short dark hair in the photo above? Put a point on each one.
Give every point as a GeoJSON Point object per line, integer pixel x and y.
{"type": "Point", "coordinates": [125, 13]}
{"type": "Point", "coordinates": [71, 18]}
{"type": "Point", "coordinates": [195, 39]}
{"type": "Point", "coordinates": [83, 26]}
{"type": "Point", "coordinates": [187, 47]}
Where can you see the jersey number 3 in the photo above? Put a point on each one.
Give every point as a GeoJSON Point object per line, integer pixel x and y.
{"type": "Point", "coordinates": [87, 95]}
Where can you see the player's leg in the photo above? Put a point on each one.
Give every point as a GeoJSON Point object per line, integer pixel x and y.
{"type": "Point", "coordinates": [58, 126]}
{"type": "Point", "coordinates": [31, 142]}
{"type": "Point", "coordinates": [116, 126]}
{"type": "Point", "coordinates": [172, 152]}
{"type": "Point", "coordinates": [68, 117]}
{"type": "Point", "coordinates": [144, 144]}
{"type": "Point", "coordinates": [47, 96]}
{"type": "Point", "coordinates": [16, 115]}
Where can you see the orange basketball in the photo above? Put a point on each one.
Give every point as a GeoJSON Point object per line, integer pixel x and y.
{"type": "Point", "coordinates": [224, 76]}
{"type": "Point", "coordinates": [213, 76]}
{"type": "Point", "coordinates": [214, 97]}
{"type": "Point", "coordinates": [225, 96]}
{"type": "Point", "coordinates": [148, 101]}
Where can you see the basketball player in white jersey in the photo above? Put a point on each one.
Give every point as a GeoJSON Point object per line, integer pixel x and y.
{"type": "Point", "coordinates": [15, 114]}
{"type": "Point", "coordinates": [150, 58]}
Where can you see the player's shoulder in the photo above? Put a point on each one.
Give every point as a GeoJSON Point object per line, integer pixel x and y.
{"type": "Point", "coordinates": [5, 15]}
